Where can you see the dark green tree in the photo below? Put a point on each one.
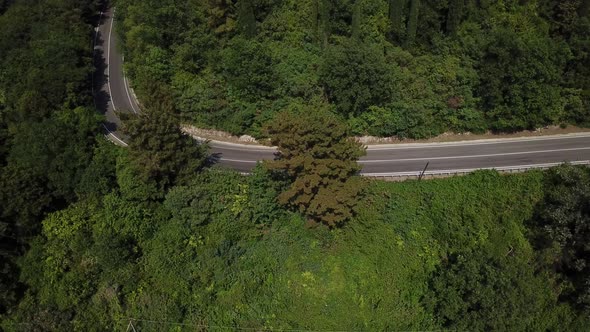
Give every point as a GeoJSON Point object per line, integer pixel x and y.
{"type": "Point", "coordinates": [248, 68]}
{"type": "Point", "coordinates": [454, 15]}
{"type": "Point", "coordinates": [563, 221]}
{"type": "Point", "coordinates": [356, 20]}
{"type": "Point", "coordinates": [47, 130]}
{"type": "Point", "coordinates": [246, 18]}
{"type": "Point", "coordinates": [324, 30]}
{"type": "Point", "coordinates": [577, 72]}
{"type": "Point", "coordinates": [476, 291]}
{"type": "Point", "coordinates": [221, 17]}
{"type": "Point", "coordinates": [520, 76]}
{"type": "Point", "coordinates": [319, 158]}
{"type": "Point", "coordinates": [396, 18]}
{"type": "Point", "coordinates": [9, 250]}
{"type": "Point", "coordinates": [158, 150]}
{"type": "Point", "coordinates": [4, 4]}
{"type": "Point", "coordinates": [356, 76]}
{"type": "Point", "coordinates": [584, 10]}
{"type": "Point", "coordinates": [412, 27]}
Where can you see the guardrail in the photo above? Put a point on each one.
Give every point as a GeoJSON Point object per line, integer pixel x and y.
{"type": "Point", "coordinates": [443, 173]}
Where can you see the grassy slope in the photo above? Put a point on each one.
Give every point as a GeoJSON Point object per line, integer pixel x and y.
{"type": "Point", "coordinates": [374, 272]}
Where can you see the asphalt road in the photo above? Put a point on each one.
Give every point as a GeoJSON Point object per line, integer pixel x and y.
{"type": "Point", "coordinates": [113, 96]}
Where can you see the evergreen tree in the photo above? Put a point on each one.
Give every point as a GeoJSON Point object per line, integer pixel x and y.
{"type": "Point", "coordinates": [246, 18]}
{"type": "Point", "coordinates": [356, 20]}
{"type": "Point", "coordinates": [324, 21]}
{"type": "Point", "coordinates": [412, 23]}
{"type": "Point", "coordinates": [315, 19]}
{"type": "Point", "coordinates": [356, 76]}
{"type": "Point", "coordinates": [316, 154]}
{"type": "Point", "coordinates": [563, 222]}
{"type": "Point", "coordinates": [584, 10]}
{"type": "Point", "coordinates": [456, 8]}
{"type": "Point", "coordinates": [396, 15]}
{"type": "Point", "coordinates": [4, 4]}
{"type": "Point", "coordinates": [158, 151]}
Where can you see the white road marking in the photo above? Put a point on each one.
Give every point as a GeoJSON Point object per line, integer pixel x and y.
{"type": "Point", "coordinates": [439, 158]}
{"type": "Point", "coordinates": [240, 161]}
{"type": "Point", "coordinates": [472, 156]}
{"type": "Point", "coordinates": [114, 136]}
{"type": "Point", "coordinates": [107, 61]}
{"type": "Point", "coordinates": [97, 29]}
{"type": "Point", "coordinates": [252, 148]}
{"type": "Point", "coordinates": [408, 146]}
{"type": "Point", "coordinates": [404, 146]}
{"type": "Point", "coordinates": [127, 90]}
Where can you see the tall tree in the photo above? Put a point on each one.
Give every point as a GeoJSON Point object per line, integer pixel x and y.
{"type": "Point", "coordinates": [315, 19]}
{"type": "Point", "coordinates": [246, 18]}
{"type": "Point", "coordinates": [221, 16]}
{"type": "Point", "coordinates": [396, 16]}
{"type": "Point", "coordinates": [317, 155]}
{"type": "Point", "coordinates": [412, 23]}
{"type": "Point", "coordinates": [466, 287]}
{"type": "Point", "coordinates": [4, 4]}
{"type": "Point", "coordinates": [248, 68]}
{"type": "Point", "coordinates": [584, 10]}
{"type": "Point", "coordinates": [159, 152]}
{"type": "Point", "coordinates": [563, 221]}
{"type": "Point", "coordinates": [520, 76]}
{"type": "Point", "coordinates": [356, 20]}
{"type": "Point", "coordinates": [456, 8]}
{"type": "Point", "coordinates": [356, 76]}
{"type": "Point", "coordinates": [324, 22]}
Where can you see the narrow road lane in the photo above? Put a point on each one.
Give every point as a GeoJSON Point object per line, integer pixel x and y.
{"type": "Point", "coordinates": [112, 95]}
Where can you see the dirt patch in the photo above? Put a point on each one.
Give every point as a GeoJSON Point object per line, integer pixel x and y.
{"type": "Point", "coordinates": [454, 137]}
{"type": "Point", "coordinates": [216, 135]}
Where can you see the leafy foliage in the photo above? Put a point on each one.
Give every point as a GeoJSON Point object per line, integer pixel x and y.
{"type": "Point", "coordinates": [356, 76]}
{"type": "Point", "coordinates": [563, 222]}
{"type": "Point", "coordinates": [316, 154]}
{"type": "Point", "coordinates": [520, 78]}
{"type": "Point", "coordinates": [47, 124]}
{"type": "Point", "coordinates": [248, 69]}
{"type": "Point", "coordinates": [105, 233]}
{"type": "Point", "coordinates": [160, 154]}
{"type": "Point", "coordinates": [465, 290]}
{"type": "Point", "coordinates": [425, 67]}
{"type": "Point", "coordinates": [450, 253]}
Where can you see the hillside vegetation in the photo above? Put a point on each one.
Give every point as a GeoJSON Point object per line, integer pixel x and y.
{"type": "Point", "coordinates": [411, 68]}
{"type": "Point", "coordinates": [156, 237]}
{"type": "Point", "coordinates": [466, 253]}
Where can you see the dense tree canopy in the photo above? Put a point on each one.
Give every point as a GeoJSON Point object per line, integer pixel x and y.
{"type": "Point", "coordinates": [356, 76]}
{"type": "Point", "coordinates": [563, 220]}
{"type": "Point", "coordinates": [94, 237]}
{"type": "Point", "coordinates": [219, 251]}
{"type": "Point", "coordinates": [47, 124]}
{"type": "Point", "coordinates": [234, 65]}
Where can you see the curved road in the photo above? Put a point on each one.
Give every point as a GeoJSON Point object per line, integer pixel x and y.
{"type": "Point", "coordinates": [113, 95]}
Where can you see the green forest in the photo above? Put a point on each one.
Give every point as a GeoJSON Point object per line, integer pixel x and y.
{"type": "Point", "coordinates": [405, 68]}
{"type": "Point", "coordinates": [157, 237]}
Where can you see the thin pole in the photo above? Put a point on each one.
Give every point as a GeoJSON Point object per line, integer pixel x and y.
{"type": "Point", "coordinates": [423, 171]}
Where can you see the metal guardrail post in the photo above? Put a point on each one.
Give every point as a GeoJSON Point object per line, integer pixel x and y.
{"type": "Point", "coordinates": [423, 171]}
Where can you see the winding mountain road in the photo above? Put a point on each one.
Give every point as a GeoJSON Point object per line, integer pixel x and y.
{"type": "Point", "coordinates": [113, 95]}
